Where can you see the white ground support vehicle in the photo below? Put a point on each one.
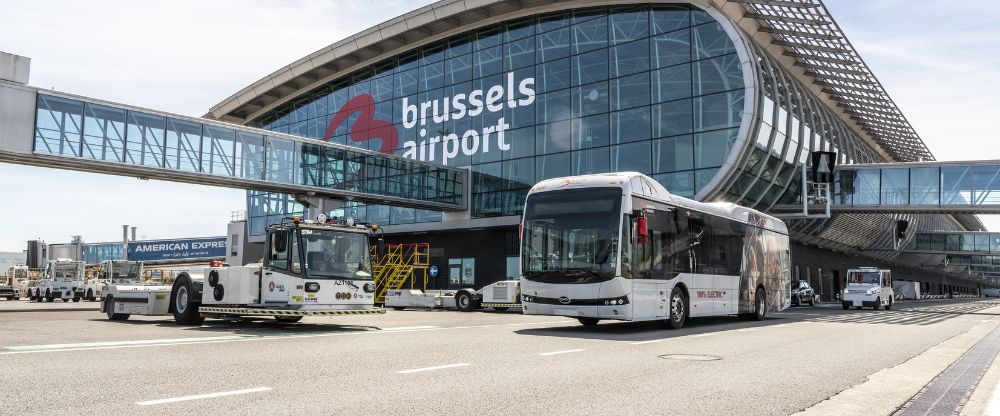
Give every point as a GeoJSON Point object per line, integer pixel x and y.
{"type": "Point", "coordinates": [500, 296]}
{"type": "Point", "coordinates": [20, 281]}
{"type": "Point", "coordinates": [868, 287]}
{"type": "Point", "coordinates": [619, 246]}
{"type": "Point", "coordinates": [309, 268]}
{"type": "Point", "coordinates": [61, 280]}
{"type": "Point", "coordinates": [108, 271]}
{"type": "Point", "coordinates": [7, 287]}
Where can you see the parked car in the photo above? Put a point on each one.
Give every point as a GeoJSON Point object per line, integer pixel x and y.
{"type": "Point", "coordinates": [803, 293]}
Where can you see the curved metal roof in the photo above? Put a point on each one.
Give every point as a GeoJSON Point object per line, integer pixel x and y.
{"type": "Point", "coordinates": [802, 31]}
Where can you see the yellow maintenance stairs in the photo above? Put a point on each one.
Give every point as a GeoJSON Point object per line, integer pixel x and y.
{"type": "Point", "coordinates": [398, 265]}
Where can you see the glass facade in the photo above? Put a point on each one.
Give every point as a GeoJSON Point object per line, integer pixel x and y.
{"type": "Point", "coordinates": [958, 242]}
{"type": "Point", "coordinates": [654, 89]}
{"type": "Point", "coordinates": [73, 128]}
{"type": "Point", "coordinates": [95, 253]}
{"type": "Point", "coordinates": [933, 186]}
{"type": "Point", "coordinates": [791, 123]}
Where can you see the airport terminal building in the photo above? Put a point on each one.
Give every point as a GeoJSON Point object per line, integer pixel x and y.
{"type": "Point", "coordinates": [717, 100]}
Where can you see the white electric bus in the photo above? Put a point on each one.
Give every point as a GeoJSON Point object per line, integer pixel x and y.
{"type": "Point", "coordinates": [619, 246]}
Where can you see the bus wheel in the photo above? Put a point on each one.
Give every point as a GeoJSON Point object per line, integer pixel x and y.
{"type": "Point", "coordinates": [760, 306]}
{"type": "Point", "coordinates": [463, 300]}
{"type": "Point", "coordinates": [109, 309]}
{"type": "Point", "coordinates": [678, 309]}
{"type": "Point", "coordinates": [878, 304]}
{"type": "Point", "coordinates": [588, 321]}
{"type": "Point", "coordinates": [846, 305]}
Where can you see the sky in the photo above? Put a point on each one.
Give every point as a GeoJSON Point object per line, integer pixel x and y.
{"type": "Point", "coordinates": [939, 62]}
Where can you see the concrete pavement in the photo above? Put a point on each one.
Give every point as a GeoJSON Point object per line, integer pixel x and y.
{"type": "Point", "coordinates": [66, 359]}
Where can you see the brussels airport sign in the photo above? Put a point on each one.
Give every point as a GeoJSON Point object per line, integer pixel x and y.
{"type": "Point", "coordinates": [512, 94]}
{"type": "Point", "coordinates": [198, 248]}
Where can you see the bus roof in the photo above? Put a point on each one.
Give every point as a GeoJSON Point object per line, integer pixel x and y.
{"type": "Point", "coordinates": [643, 186]}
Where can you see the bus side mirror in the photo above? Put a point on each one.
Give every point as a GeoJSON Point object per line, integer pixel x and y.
{"type": "Point", "coordinates": [642, 230]}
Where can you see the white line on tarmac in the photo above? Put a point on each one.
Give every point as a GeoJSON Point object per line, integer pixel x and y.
{"type": "Point", "coordinates": [993, 407]}
{"type": "Point", "coordinates": [645, 342]}
{"type": "Point", "coordinates": [245, 338]}
{"type": "Point", "coordinates": [747, 329]}
{"type": "Point", "coordinates": [440, 367]}
{"type": "Point", "coordinates": [707, 334]}
{"type": "Point", "coordinates": [118, 343]}
{"type": "Point", "coordinates": [561, 352]}
{"type": "Point", "coordinates": [409, 328]}
{"type": "Point", "coordinates": [203, 396]}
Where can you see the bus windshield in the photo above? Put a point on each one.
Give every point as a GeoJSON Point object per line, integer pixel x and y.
{"type": "Point", "coordinates": [872, 278]}
{"type": "Point", "coordinates": [335, 254]}
{"type": "Point", "coordinates": [571, 236]}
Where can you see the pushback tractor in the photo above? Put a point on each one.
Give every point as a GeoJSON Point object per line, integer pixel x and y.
{"type": "Point", "coordinates": [310, 268]}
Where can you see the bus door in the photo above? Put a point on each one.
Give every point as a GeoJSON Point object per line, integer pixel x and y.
{"type": "Point", "coordinates": [645, 263]}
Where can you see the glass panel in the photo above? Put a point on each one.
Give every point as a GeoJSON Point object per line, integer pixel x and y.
{"type": "Point", "coordinates": [629, 26]}
{"type": "Point", "coordinates": [630, 125]}
{"type": "Point", "coordinates": [591, 161]}
{"type": "Point", "coordinates": [669, 18]}
{"type": "Point", "coordinates": [672, 83]}
{"type": "Point", "coordinates": [631, 157]}
{"type": "Point", "coordinates": [630, 91]}
{"type": "Point", "coordinates": [552, 166]}
{"type": "Point", "coordinates": [711, 149]}
{"type": "Point", "coordinates": [590, 67]}
{"type": "Point", "coordinates": [866, 186]}
{"type": "Point", "coordinates": [590, 35]}
{"type": "Point", "coordinates": [925, 186]}
{"type": "Point", "coordinates": [183, 145]}
{"type": "Point", "coordinates": [718, 74]}
{"type": "Point", "coordinates": [673, 154]}
{"type": "Point", "coordinates": [103, 133]}
{"type": "Point", "coordinates": [679, 183]}
{"type": "Point", "coordinates": [145, 139]}
{"type": "Point", "coordinates": [671, 49]}
{"type": "Point", "coordinates": [956, 185]}
{"type": "Point", "coordinates": [986, 185]}
{"type": "Point", "coordinates": [673, 118]}
{"type": "Point", "coordinates": [590, 132]}
{"type": "Point", "coordinates": [630, 58]}
{"type": "Point", "coordinates": [710, 40]}
{"type": "Point", "coordinates": [281, 160]}
{"type": "Point", "coordinates": [895, 186]}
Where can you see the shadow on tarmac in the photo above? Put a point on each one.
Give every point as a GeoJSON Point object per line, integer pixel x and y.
{"type": "Point", "coordinates": [265, 327]}
{"type": "Point", "coordinates": [654, 330]}
{"type": "Point", "coordinates": [917, 314]}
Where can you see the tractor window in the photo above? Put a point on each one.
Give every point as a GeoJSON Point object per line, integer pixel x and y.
{"type": "Point", "coordinates": [294, 251]}
{"type": "Point", "coordinates": [278, 250]}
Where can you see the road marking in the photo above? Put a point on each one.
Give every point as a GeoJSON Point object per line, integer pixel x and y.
{"type": "Point", "coordinates": [993, 407]}
{"type": "Point", "coordinates": [707, 334]}
{"type": "Point", "coordinates": [561, 352]}
{"type": "Point", "coordinates": [203, 396]}
{"type": "Point", "coordinates": [645, 342]}
{"type": "Point", "coordinates": [747, 329]}
{"type": "Point", "coordinates": [410, 328]}
{"type": "Point", "coordinates": [440, 367]}
{"type": "Point", "coordinates": [26, 349]}
{"type": "Point", "coordinates": [778, 326]}
{"type": "Point", "coordinates": [118, 343]}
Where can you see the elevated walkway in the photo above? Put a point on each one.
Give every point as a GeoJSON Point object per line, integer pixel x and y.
{"type": "Point", "coordinates": [58, 130]}
{"type": "Point", "coordinates": [969, 187]}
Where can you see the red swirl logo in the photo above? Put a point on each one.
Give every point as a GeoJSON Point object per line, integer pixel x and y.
{"type": "Point", "coordinates": [365, 128]}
